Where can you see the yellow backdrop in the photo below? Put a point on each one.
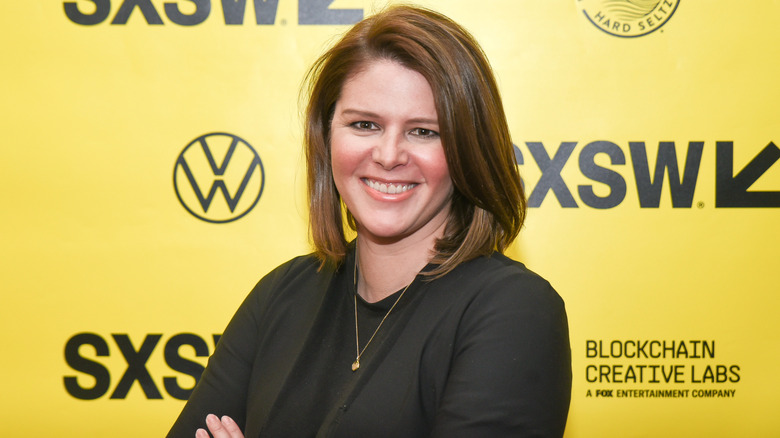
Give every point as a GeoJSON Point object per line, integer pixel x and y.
{"type": "Point", "coordinates": [644, 137]}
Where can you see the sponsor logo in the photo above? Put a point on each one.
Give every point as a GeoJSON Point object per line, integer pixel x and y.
{"type": "Point", "coordinates": [194, 12]}
{"type": "Point", "coordinates": [95, 381]}
{"type": "Point", "coordinates": [680, 366]}
{"type": "Point", "coordinates": [600, 162]}
{"type": "Point", "coordinates": [628, 18]}
{"type": "Point", "coordinates": [218, 163]}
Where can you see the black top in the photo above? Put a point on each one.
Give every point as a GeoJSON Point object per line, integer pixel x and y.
{"type": "Point", "coordinates": [481, 352]}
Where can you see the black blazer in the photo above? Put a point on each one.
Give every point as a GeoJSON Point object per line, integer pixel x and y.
{"type": "Point", "coordinates": [482, 352]}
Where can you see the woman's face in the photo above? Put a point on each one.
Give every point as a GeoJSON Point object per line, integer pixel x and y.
{"type": "Point", "coordinates": [387, 157]}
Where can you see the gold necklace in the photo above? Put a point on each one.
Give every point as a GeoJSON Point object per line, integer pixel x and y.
{"type": "Point", "coordinates": [358, 351]}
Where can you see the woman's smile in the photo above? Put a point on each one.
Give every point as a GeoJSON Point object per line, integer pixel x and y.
{"type": "Point", "coordinates": [389, 187]}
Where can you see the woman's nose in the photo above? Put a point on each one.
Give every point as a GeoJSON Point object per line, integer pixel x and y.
{"type": "Point", "coordinates": [390, 151]}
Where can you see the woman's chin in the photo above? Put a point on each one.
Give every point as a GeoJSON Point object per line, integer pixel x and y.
{"type": "Point", "coordinates": [384, 235]}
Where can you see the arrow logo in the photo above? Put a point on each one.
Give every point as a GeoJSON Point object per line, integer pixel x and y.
{"type": "Point", "coordinates": [731, 191]}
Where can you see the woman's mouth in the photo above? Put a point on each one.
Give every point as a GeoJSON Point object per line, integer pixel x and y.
{"type": "Point", "coordinates": [389, 188]}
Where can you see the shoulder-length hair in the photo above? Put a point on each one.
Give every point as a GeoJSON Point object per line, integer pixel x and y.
{"type": "Point", "coordinates": [488, 204]}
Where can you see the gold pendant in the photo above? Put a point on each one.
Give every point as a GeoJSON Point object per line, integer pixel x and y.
{"type": "Point", "coordinates": [355, 365]}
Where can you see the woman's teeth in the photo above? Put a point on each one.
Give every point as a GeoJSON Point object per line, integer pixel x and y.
{"type": "Point", "coordinates": [389, 188]}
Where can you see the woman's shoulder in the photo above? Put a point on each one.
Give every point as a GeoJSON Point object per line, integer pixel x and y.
{"type": "Point", "coordinates": [501, 280]}
{"type": "Point", "coordinates": [495, 296]}
{"type": "Point", "coordinates": [498, 268]}
{"type": "Point", "coordinates": [295, 266]}
{"type": "Point", "coordinates": [301, 268]}
{"type": "Point", "coordinates": [293, 279]}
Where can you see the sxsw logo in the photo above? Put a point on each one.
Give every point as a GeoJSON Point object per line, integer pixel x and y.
{"type": "Point", "coordinates": [599, 162]}
{"type": "Point", "coordinates": [91, 356]}
{"type": "Point", "coordinates": [218, 177]}
{"type": "Point", "coordinates": [194, 12]}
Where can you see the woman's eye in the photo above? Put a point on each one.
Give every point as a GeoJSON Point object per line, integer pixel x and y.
{"type": "Point", "coordinates": [363, 125]}
{"type": "Point", "coordinates": [422, 132]}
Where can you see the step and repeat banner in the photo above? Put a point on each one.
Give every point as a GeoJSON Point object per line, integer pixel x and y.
{"type": "Point", "coordinates": [152, 172]}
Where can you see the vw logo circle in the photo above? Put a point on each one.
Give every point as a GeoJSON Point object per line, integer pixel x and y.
{"type": "Point", "coordinates": [218, 177]}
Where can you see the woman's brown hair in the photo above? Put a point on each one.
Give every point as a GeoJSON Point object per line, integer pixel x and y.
{"type": "Point", "coordinates": [488, 204]}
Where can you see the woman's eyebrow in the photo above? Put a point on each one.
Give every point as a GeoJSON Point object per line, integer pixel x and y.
{"type": "Point", "coordinates": [372, 115]}
{"type": "Point", "coordinates": [359, 112]}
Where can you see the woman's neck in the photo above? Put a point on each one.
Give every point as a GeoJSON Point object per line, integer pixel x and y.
{"type": "Point", "coordinates": [386, 267]}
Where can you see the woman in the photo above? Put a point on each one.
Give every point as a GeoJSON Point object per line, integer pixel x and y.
{"type": "Point", "coordinates": [420, 326]}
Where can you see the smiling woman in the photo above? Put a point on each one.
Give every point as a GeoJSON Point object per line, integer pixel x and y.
{"type": "Point", "coordinates": [420, 327]}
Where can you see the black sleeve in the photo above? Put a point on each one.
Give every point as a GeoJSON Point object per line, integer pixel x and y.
{"type": "Point", "coordinates": [222, 389]}
{"type": "Point", "coordinates": [511, 369]}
